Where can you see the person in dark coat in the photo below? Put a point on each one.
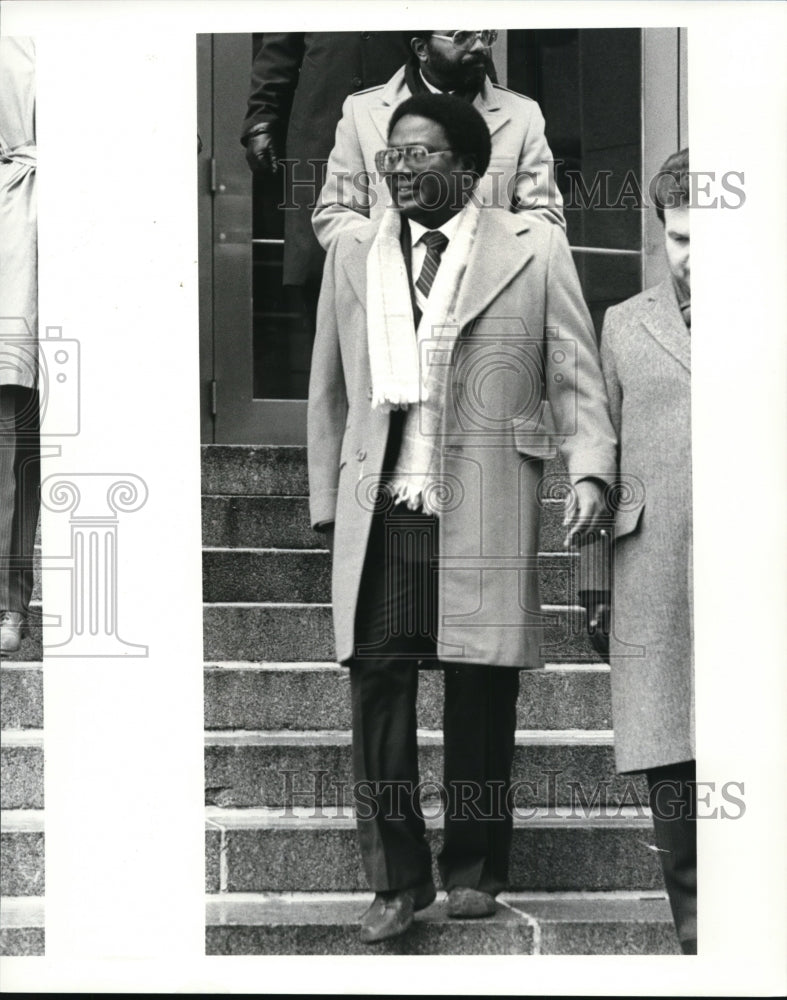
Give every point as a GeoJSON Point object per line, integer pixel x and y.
{"type": "Point", "coordinates": [299, 82]}
{"type": "Point", "coordinates": [442, 329]}
{"type": "Point", "coordinates": [646, 359]}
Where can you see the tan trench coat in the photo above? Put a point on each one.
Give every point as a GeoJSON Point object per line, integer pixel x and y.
{"type": "Point", "coordinates": [18, 218]}
{"type": "Point", "coordinates": [520, 175]}
{"type": "Point", "coordinates": [520, 281]}
{"type": "Point", "coordinates": [646, 357]}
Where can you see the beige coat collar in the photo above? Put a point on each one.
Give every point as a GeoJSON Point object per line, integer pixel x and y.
{"type": "Point", "coordinates": [396, 91]}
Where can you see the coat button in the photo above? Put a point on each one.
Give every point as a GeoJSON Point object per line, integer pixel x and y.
{"type": "Point", "coordinates": [365, 35]}
{"type": "Point", "coordinates": [360, 454]}
{"type": "Point", "coordinates": [370, 393]}
{"type": "Point", "coordinates": [357, 82]}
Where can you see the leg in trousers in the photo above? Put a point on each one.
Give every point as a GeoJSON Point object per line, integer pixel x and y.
{"type": "Point", "coordinates": [390, 823]}
{"type": "Point", "coordinates": [20, 483]}
{"type": "Point", "coordinates": [394, 631]}
{"type": "Point", "coordinates": [672, 802]}
{"type": "Point", "coordinates": [479, 725]}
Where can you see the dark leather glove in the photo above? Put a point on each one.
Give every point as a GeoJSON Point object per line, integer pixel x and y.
{"type": "Point", "coordinates": [596, 604]}
{"type": "Point", "coordinates": [262, 152]}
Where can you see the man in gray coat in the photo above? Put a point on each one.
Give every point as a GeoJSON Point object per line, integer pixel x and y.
{"type": "Point", "coordinates": [443, 329]}
{"type": "Point", "coordinates": [521, 172]}
{"type": "Point", "coordinates": [646, 358]}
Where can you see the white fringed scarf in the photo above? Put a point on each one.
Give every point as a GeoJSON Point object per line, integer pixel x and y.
{"type": "Point", "coordinates": [406, 371]}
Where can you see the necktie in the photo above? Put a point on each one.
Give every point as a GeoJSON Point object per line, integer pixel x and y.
{"type": "Point", "coordinates": [435, 242]}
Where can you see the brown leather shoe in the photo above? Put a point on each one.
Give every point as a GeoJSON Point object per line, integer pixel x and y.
{"type": "Point", "coordinates": [392, 912]}
{"type": "Point", "coordinates": [12, 626]}
{"type": "Point", "coordinates": [466, 902]}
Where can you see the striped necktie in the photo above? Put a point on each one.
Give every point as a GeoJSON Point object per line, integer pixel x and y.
{"type": "Point", "coordinates": [435, 242]}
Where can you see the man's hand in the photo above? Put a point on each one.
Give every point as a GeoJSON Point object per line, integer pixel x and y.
{"type": "Point", "coordinates": [262, 153]}
{"type": "Point", "coordinates": [585, 511]}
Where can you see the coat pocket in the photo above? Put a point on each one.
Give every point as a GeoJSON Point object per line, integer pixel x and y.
{"type": "Point", "coordinates": [534, 435]}
{"type": "Point", "coordinates": [627, 521]}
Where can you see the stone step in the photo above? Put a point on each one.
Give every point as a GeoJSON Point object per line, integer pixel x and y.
{"type": "Point", "coordinates": [317, 696]}
{"type": "Point", "coordinates": [283, 522]}
{"type": "Point", "coordinates": [280, 769]}
{"type": "Point", "coordinates": [21, 696]}
{"type": "Point", "coordinates": [258, 522]}
{"type": "Point", "coordinates": [525, 924]}
{"type": "Point", "coordinates": [250, 575]}
{"type": "Point", "coordinates": [285, 768]}
{"type": "Point", "coordinates": [22, 769]}
{"type": "Point", "coordinates": [22, 851]}
{"type": "Point", "coordinates": [251, 472]}
{"type": "Point", "coordinates": [22, 926]}
{"type": "Point", "coordinates": [254, 470]}
{"type": "Point", "coordinates": [308, 850]}
{"type": "Point", "coordinates": [269, 470]}
{"type": "Point", "coordinates": [291, 632]}
{"type": "Point", "coordinates": [266, 575]}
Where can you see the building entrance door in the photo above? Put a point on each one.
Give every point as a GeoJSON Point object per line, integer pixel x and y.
{"type": "Point", "coordinates": [255, 334]}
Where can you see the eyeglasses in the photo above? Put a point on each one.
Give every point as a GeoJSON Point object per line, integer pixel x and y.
{"type": "Point", "coordinates": [464, 39]}
{"type": "Point", "coordinates": [387, 160]}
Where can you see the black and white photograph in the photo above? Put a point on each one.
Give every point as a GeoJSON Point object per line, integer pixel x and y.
{"type": "Point", "coordinates": [505, 774]}
{"type": "Point", "coordinates": [377, 577]}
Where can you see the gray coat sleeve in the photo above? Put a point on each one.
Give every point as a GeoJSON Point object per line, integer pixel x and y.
{"type": "Point", "coordinates": [327, 406]}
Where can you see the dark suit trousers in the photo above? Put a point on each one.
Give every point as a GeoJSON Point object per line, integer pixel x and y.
{"type": "Point", "coordinates": [20, 482]}
{"type": "Point", "coordinates": [396, 626]}
{"type": "Point", "coordinates": [673, 804]}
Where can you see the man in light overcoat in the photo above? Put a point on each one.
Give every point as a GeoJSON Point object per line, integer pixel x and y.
{"type": "Point", "coordinates": [454, 352]}
{"type": "Point", "coordinates": [521, 171]}
{"type": "Point", "coordinates": [646, 358]}
{"type": "Point", "coordinates": [20, 461]}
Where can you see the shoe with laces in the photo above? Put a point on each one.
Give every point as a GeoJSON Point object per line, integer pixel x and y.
{"type": "Point", "coordinates": [13, 626]}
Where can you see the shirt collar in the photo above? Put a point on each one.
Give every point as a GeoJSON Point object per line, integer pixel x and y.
{"type": "Point", "coordinates": [448, 229]}
{"type": "Point", "coordinates": [432, 87]}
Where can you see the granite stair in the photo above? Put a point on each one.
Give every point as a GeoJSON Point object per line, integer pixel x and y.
{"type": "Point", "coordinates": [283, 873]}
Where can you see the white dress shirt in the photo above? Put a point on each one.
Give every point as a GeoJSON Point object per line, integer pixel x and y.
{"type": "Point", "coordinates": [417, 231]}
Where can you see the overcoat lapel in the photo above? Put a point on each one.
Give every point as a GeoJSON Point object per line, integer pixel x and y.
{"type": "Point", "coordinates": [665, 324]}
{"type": "Point", "coordinates": [393, 93]}
{"type": "Point", "coordinates": [489, 106]}
{"type": "Point", "coordinates": [497, 257]}
{"type": "Point", "coordinates": [381, 116]}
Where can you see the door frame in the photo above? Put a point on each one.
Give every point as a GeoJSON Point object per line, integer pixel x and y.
{"type": "Point", "coordinates": [235, 416]}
